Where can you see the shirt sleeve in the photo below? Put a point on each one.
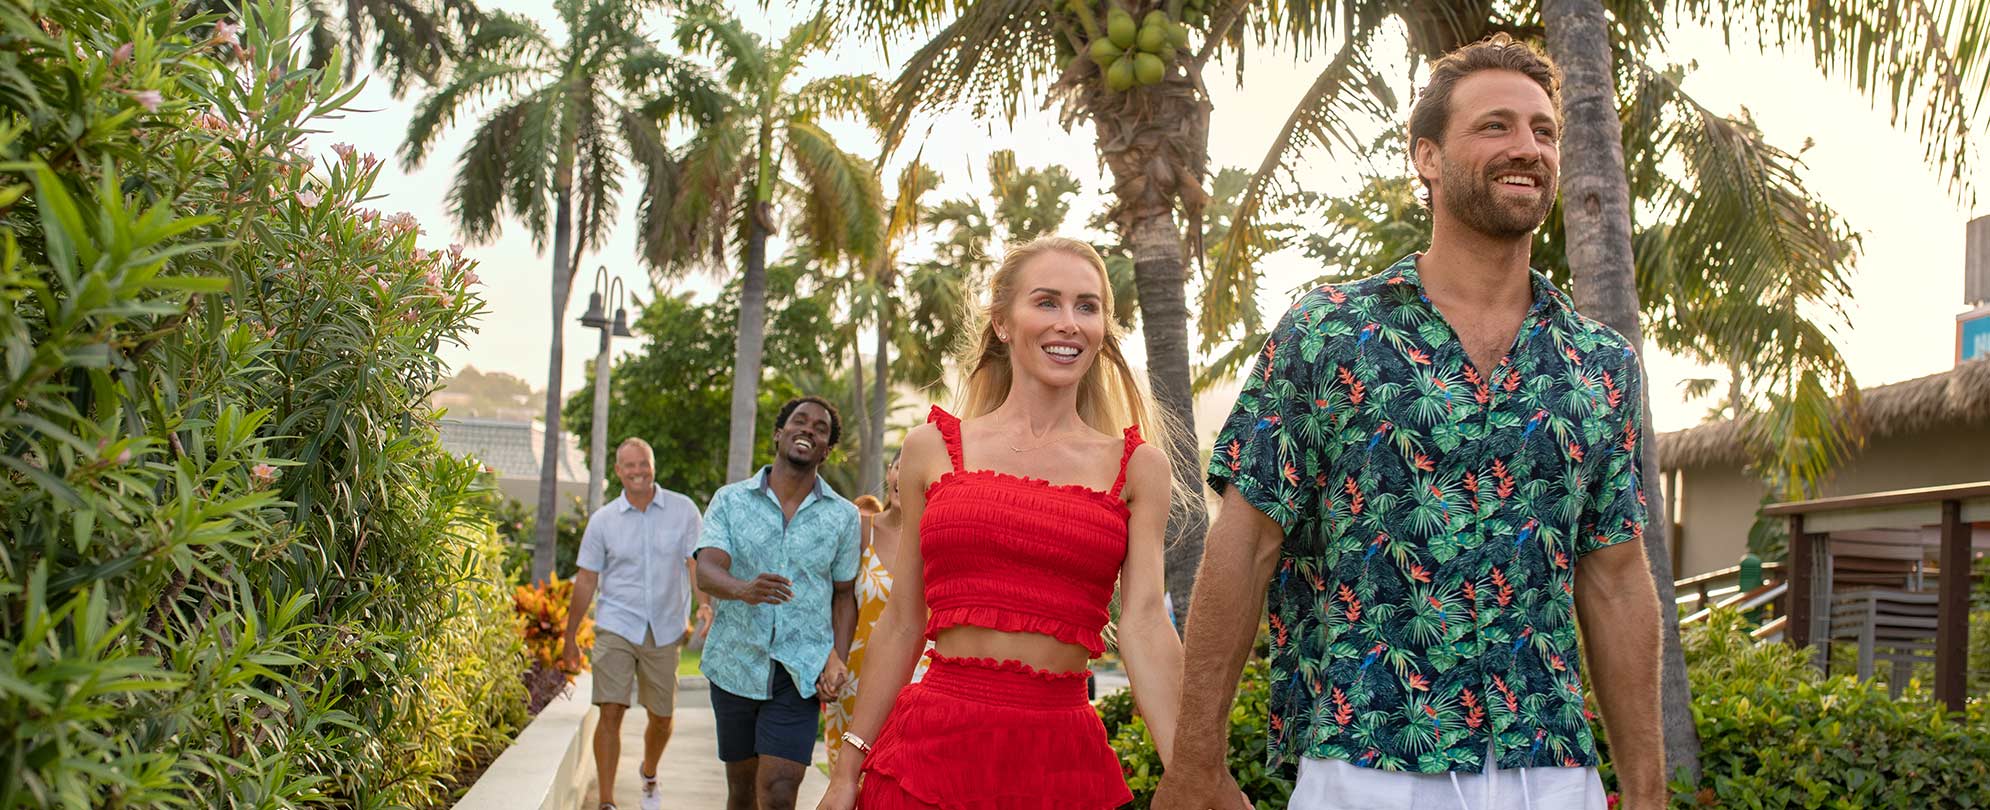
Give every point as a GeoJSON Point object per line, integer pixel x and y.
{"type": "Point", "coordinates": [848, 547]}
{"type": "Point", "coordinates": [693, 529]}
{"type": "Point", "coordinates": [712, 530]}
{"type": "Point", "coordinates": [1615, 510]}
{"type": "Point", "coordinates": [1260, 448]}
{"type": "Point", "coordinates": [593, 545]}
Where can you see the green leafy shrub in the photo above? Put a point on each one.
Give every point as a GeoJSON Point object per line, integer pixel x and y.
{"type": "Point", "coordinates": [1776, 733]}
{"type": "Point", "coordinates": [1267, 787]}
{"type": "Point", "coordinates": [236, 569]}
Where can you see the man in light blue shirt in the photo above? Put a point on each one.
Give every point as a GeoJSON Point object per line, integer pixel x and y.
{"type": "Point", "coordinates": [637, 554]}
{"type": "Point", "coordinates": [779, 551]}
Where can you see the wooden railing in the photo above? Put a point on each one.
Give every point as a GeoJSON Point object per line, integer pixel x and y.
{"type": "Point", "coordinates": [1948, 516]}
{"type": "Point", "coordinates": [1713, 585]}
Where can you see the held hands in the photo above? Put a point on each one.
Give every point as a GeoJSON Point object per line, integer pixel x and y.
{"type": "Point", "coordinates": [767, 589]}
{"type": "Point", "coordinates": [841, 795]}
{"type": "Point", "coordinates": [695, 636]}
{"type": "Point", "coordinates": [835, 675]}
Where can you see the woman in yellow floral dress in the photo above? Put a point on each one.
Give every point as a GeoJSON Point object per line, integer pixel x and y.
{"type": "Point", "coordinates": [880, 527]}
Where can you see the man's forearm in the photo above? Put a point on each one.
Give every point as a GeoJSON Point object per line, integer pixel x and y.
{"type": "Point", "coordinates": [843, 618]}
{"type": "Point", "coordinates": [583, 596]}
{"type": "Point", "coordinates": [1222, 626]}
{"type": "Point", "coordinates": [716, 582]}
{"type": "Point", "coordinates": [1620, 627]}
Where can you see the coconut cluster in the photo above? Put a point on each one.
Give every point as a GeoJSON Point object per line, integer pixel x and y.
{"type": "Point", "coordinates": [1134, 53]}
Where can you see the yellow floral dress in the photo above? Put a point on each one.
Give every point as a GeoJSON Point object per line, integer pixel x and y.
{"type": "Point", "coordinates": [873, 588]}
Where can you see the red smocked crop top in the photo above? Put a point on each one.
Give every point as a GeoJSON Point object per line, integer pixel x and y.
{"type": "Point", "coordinates": [1020, 554]}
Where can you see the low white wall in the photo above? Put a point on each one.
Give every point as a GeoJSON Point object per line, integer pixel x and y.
{"type": "Point", "coordinates": [551, 764]}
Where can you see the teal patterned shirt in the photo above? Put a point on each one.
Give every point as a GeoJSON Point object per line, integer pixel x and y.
{"type": "Point", "coordinates": [1434, 513]}
{"type": "Point", "coordinates": [815, 550]}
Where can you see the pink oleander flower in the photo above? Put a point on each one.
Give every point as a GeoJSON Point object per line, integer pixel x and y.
{"type": "Point", "coordinates": [404, 222]}
{"type": "Point", "coordinates": [344, 150]}
{"type": "Point", "coordinates": [121, 55]}
{"type": "Point", "coordinates": [149, 99]}
{"type": "Point", "coordinates": [124, 456]}
{"type": "Point", "coordinates": [369, 215]}
{"type": "Point", "coordinates": [411, 316]}
{"type": "Point", "coordinates": [470, 277]}
{"type": "Point", "coordinates": [263, 474]}
{"type": "Point", "coordinates": [445, 300]}
{"type": "Point", "coordinates": [369, 161]}
{"type": "Point", "coordinates": [225, 33]}
{"type": "Point", "coordinates": [456, 251]}
{"type": "Point", "coordinates": [433, 279]}
{"type": "Point", "coordinates": [308, 198]}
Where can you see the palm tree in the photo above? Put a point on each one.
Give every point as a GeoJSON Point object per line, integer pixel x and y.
{"type": "Point", "coordinates": [878, 295]}
{"type": "Point", "coordinates": [551, 144]}
{"type": "Point", "coordinates": [761, 159]}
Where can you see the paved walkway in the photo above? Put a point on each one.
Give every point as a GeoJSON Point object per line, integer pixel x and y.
{"type": "Point", "coordinates": [690, 774]}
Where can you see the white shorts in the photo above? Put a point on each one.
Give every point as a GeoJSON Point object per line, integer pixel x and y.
{"type": "Point", "coordinates": [1331, 784]}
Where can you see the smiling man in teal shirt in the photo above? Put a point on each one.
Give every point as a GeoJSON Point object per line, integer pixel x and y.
{"type": "Point", "coordinates": [779, 553]}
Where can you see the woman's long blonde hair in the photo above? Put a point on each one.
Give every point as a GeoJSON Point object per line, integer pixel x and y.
{"type": "Point", "coordinates": [1109, 397]}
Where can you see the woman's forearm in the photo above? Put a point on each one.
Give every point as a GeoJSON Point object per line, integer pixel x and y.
{"type": "Point", "coordinates": [890, 656]}
{"type": "Point", "coordinates": [1153, 658]}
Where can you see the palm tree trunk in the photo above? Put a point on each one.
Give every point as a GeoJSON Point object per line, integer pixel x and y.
{"type": "Point", "coordinates": [545, 531]}
{"type": "Point", "coordinates": [750, 346]}
{"type": "Point", "coordinates": [880, 385]}
{"type": "Point", "coordinates": [865, 452]}
{"type": "Point", "coordinates": [1596, 211]}
{"type": "Point", "coordinates": [1160, 273]}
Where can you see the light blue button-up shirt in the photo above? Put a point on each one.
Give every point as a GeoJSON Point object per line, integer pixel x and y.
{"type": "Point", "coordinates": [640, 556]}
{"type": "Point", "coordinates": [815, 550]}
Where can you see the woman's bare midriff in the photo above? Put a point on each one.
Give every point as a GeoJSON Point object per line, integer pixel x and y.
{"type": "Point", "coordinates": [1035, 649]}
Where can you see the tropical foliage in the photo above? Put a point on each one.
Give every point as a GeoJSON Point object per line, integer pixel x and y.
{"type": "Point", "coordinates": [239, 569]}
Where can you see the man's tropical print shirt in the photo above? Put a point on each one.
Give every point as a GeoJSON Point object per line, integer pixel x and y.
{"type": "Point", "coordinates": [1423, 607]}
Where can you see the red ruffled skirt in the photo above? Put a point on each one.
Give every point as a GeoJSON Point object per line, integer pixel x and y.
{"type": "Point", "coordinates": [978, 734]}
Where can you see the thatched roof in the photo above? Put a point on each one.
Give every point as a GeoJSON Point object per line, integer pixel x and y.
{"type": "Point", "coordinates": [1961, 394]}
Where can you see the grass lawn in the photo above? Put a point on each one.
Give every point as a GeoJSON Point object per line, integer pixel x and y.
{"type": "Point", "coordinates": [687, 662]}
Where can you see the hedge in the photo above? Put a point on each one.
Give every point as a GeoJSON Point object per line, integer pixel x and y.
{"type": "Point", "coordinates": [238, 570]}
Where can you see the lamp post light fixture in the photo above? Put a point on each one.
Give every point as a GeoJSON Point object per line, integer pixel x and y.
{"type": "Point", "coordinates": [608, 291]}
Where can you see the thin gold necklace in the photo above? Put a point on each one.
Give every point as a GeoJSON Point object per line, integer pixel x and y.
{"type": "Point", "coordinates": [1045, 439]}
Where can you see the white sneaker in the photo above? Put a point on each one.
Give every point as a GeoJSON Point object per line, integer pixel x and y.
{"type": "Point", "coordinates": [652, 797]}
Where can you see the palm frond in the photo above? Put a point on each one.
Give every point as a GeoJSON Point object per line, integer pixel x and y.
{"type": "Point", "coordinates": [1928, 60]}
{"type": "Point", "coordinates": [674, 89]}
{"type": "Point", "coordinates": [859, 96]}
{"type": "Point", "coordinates": [508, 38]}
{"type": "Point", "coordinates": [597, 171]}
{"type": "Point", "coordinates": [838, 195]}
{"type": "Point", "coordinates": [998, 54]}
{"type": "Point", "coordinates": [708, 201]}
{"type": "Point", "coordinates": [1346, 91]}
{"type": "Point", "coordinates": [477, 197]}
{"type": "Point", "coordinates": [715, 33]}
{"type": "Point", "coordinates": [437, 111]}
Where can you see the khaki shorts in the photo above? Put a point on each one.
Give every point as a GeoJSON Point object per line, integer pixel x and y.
{"type": "Point", "coordinates": [621, 664]}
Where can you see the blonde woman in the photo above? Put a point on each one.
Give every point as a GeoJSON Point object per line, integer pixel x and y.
{"type": "Point", "coordinates": [880, 533]}
{"type": "Point", "coordinates": [1028, 509]}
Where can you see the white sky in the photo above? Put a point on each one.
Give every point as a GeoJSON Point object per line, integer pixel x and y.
{"type": "Point", "coordinates": [1907, 289]}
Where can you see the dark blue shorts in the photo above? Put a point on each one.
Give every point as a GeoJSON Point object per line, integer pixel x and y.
{"type": "Point", "coordinates": [782, 726]}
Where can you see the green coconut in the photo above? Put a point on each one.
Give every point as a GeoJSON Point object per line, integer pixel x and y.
{"type": "Point", "coordinates": [1178, 34]}
{"type": "Point", "coordinates": [1148, 68]}
{"type": "Point", "coordinates": [1120, 77]}
{"type": "Point", "coordinates": [1120, 28]}
{"type": "Point", "coordinates": [1104, 53]}
{"type": "Point", "coordinates": [1153, 37]}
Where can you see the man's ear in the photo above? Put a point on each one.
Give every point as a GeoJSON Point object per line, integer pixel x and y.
{"type": "Point", "coordinates": [1428, 158]}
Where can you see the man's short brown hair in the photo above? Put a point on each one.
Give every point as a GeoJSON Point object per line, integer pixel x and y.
{"type": "Point", "coordinates": [1432, 111]}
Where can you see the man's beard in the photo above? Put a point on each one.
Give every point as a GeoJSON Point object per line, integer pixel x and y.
{"type": "Point", "coordinates": [1471, 198]}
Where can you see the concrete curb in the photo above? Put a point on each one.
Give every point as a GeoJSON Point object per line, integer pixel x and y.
{"type": "Point", "coordinates": [551, 764]}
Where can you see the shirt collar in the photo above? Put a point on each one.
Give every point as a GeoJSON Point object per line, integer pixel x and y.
{"type": "Point", "coordinates": [1548, 299]}
{"type": "Point", "coordinates": [764, 480]}
{"type": "Point", "coordinates": [622, 501]}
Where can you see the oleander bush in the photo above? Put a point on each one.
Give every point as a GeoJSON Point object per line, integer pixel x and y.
{"type": "Point", "coordinates": [237, 569]}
